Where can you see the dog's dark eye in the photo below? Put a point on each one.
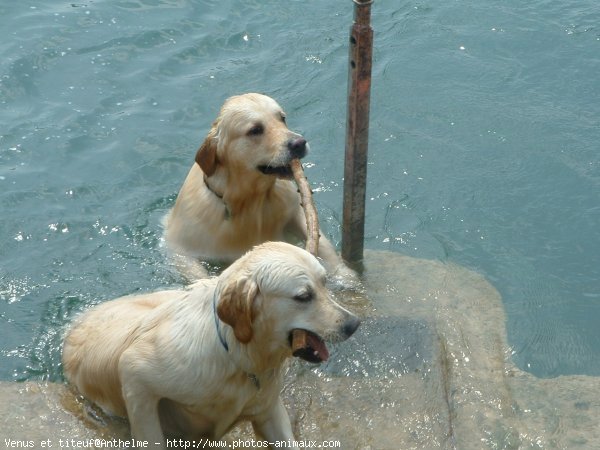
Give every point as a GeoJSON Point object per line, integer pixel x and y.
{"type": "Point", "coordinates": [304, 297]}
{"type": "Point", "coordinates": [283, 118]}
{"type": "Point", "coordinates": [256, 130]}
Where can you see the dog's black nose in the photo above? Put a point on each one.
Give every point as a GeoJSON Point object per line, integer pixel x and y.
{"type": "Point", "coordinates": [350, 326]}
{"type": "Point", "coordinates": [297, 147]}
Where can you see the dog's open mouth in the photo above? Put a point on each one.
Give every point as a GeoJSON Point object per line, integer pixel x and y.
{"type": "Point", "coordinates": [279, 171]}
{"type": "Point", "coordinates": [308, 346]}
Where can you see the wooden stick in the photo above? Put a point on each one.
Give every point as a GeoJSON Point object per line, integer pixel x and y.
{"type": "Point", "coordinates": [300, 337]}
{"type": "Point", "coordinates": [312, 219]}
{"type": "Point", "coordinates": [299, 341]}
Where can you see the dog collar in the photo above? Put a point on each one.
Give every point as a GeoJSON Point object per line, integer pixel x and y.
{"type": "Point", "coordinates": [218, 324]}
{"type": "Point", "coordinates": [220, 197]}
{"type": "Point", "coordinates": [211, 189]}
{"type": "Point", "coordinates": [252, 377]}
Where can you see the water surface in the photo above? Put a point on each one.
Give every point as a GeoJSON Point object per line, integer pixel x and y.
{"type": "Point", "coordinates": [483, 149]}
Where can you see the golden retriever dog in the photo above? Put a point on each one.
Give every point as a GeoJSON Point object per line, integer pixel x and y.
{"type": "Point", "coordinates": [240, 191]}
{"type": "Point", "coordinates": [190, 364]}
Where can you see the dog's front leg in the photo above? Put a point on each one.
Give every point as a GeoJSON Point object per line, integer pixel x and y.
{"type": "Point", "coordinates": [142, 406]}
{"type": "Point", "coordinates": [188, 266]}
{"type": "Point", "coordinates": [142, 411]}
{"type": "Point", "coordinates": [274, 424]}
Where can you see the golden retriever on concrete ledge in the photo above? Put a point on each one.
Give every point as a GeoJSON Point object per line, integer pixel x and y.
{"type": "Point", "coordinates": [240, 192]}
{"type": "Point", "coordinates": [191, 363]}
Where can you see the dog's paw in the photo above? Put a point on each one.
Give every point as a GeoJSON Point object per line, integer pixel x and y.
{"type": "Point", "coordinates": [343, 277]}
{"type": "Point", "coordinates": [191, 268]}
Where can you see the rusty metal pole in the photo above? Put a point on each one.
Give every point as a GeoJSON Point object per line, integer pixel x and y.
{"type": "Point", "coordinates": [357, 134]}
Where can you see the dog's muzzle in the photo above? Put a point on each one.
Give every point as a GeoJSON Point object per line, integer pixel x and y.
{"type": "Point", "coordinates": [311, 347]}
{"type": "Point", "coordinates": [297, 148]}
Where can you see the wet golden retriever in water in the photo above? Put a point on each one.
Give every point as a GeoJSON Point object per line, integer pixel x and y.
{"type": "Point", "coordinates": [191, 363]}
{"type": "Point", "coordinates": [240, 192]}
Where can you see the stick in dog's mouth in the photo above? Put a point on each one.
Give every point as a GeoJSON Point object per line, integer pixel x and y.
{"type": "Point", "coordinates": [312, 219]}
{"type": "Point", "coordinates": [305, 344]}
{"type": "Point", "coordinates": [308, 346]}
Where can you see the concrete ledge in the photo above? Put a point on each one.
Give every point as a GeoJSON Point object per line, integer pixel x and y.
{"type": "Point", "coordinates": [429, 368]}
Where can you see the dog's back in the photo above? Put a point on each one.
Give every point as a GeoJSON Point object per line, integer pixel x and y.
{"type": "Point", "coordinates": [95, 343]}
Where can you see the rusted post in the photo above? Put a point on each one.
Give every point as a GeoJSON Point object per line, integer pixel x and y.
{"type": "Point", "coordinates": [357, 134]}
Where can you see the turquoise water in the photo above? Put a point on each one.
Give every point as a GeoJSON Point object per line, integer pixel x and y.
{"type": "Point", "coordinates": [483, 148]}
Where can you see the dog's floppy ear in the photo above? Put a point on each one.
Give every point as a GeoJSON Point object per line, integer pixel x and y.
{"type": "Point", "coordinates": [235, 307]}
{"type": "Point", "coordinates": [206, 156]}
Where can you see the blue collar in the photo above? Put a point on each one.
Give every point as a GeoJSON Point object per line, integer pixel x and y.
{"type": "Point", "coordinates": [253, 378]}
{"type": "Point", "coordinates": [218, 323]}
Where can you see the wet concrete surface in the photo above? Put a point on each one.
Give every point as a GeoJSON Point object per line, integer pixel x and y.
{"type": "Point", "coordinates": [429, 368]}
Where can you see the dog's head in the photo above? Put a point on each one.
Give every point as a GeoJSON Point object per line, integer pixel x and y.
{"type": "Point", "coordinates": [278, 289]}
{"type": "Point", "coordinates": [250, 135]}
